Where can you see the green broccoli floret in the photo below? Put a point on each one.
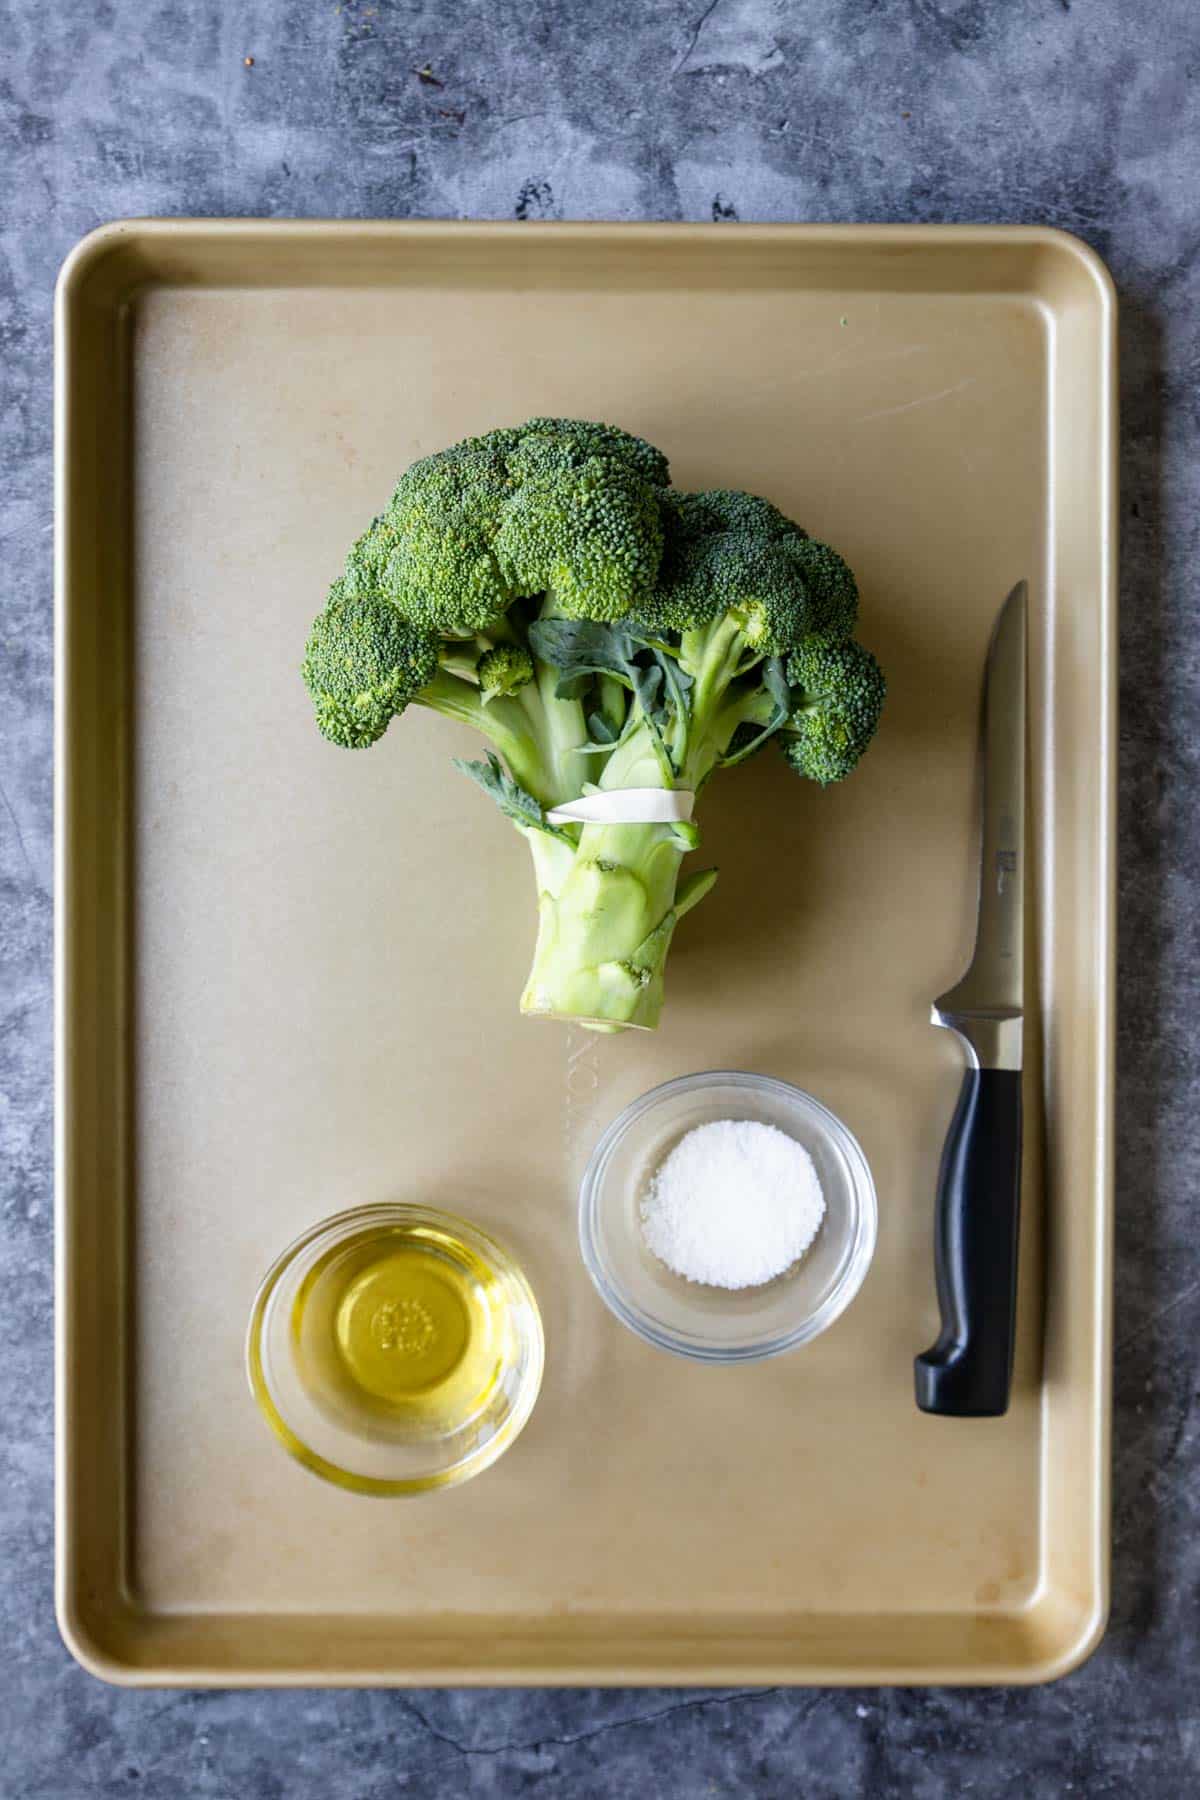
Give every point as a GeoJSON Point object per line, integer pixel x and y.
{"type": "Point", "coordinates": [838, 694]}
{"type": "Point", "coordinates": [503, 670]}
{"type": "Point", "coordinates": [544, 585]}
{"type": "Point", "coordinates": [558, 506]}
{"type": "Point", "coordinates": [431, 549]}
{"type": "Point", "coordinates": [577, 441]}
{"type": "Point", "coordinates": [590, 536]}
{"type": "Point", "coordinates": [733, 556]}
{"type": "Point", "coordinates": [363, 665]}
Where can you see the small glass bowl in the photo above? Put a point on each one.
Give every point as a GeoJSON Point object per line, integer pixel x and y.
{"type": "Point", "coordinates": [711, 1324]}
{"type": "Point", "coordinates": [372, 1445]}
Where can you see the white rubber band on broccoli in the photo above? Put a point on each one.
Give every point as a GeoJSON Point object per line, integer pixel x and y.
{"type": "Point", "coordinates": [627, 806]}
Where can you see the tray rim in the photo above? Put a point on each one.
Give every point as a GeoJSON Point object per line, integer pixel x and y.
{"type": "Point", "coordinates": [102, 258]}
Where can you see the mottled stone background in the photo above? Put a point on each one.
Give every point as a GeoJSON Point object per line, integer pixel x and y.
{"type": "Point", "coordinates": [1082, 113]}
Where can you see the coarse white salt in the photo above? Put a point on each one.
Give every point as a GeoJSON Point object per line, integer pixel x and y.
{"type": "Point", "coordinates": [733, 1205]}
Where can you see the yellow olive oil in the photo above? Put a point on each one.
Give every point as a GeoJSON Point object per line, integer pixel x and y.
{"type": "Point", "coordinates": [401, 1330]}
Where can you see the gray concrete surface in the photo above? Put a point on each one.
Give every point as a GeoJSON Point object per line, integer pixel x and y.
{"type": "Point", "coordinates": [1082, 113]}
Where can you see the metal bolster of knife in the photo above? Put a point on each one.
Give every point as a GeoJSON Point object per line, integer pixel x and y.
{"type": "Point", "coordinates": [993, 1038]}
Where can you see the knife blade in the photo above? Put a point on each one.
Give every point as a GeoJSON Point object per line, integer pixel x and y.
{"type": "Point", "coordinates": [968, 1372]}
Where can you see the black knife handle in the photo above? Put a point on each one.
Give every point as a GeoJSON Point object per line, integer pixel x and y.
{"type": "Point", "coordinates": [968, 1372]}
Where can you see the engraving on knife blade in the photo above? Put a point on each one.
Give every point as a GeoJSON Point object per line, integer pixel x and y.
{"type": "Point", "coordinates": [1006, 865]}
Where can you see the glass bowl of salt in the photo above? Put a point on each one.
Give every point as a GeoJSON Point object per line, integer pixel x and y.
{"type": "Point", "coordinates": [727, 1216]}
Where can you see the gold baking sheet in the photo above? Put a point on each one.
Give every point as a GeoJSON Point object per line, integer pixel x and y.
{"type": "Point", "coordinates": [288, 977]}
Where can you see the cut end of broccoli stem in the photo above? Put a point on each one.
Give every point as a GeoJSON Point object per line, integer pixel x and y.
{"type": "Point", "coordinates": [605, 1027]}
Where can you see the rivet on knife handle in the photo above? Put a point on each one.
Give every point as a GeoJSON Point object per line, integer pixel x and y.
{"type": "Point", "coordinates": [968, 1372]}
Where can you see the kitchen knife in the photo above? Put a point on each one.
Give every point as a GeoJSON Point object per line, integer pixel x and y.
{"type": "Point", "coordinates": [968, 1372]}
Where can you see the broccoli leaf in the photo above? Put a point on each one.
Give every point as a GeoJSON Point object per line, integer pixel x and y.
{"type": "Point", "coordinates": [602, 732]}
{"type": "Point", "coordinates": [649, 692]}
{"type": "Point", "coordinates": [774, 679]}
{"type": "Point", "coordinates": [512, 799]}
{"type": "Point", "coordinates": [779, 688]}
{"type": "Point", "coordinates": [580, 649]}
{"type": "Point", "coordinates": [677, 683]}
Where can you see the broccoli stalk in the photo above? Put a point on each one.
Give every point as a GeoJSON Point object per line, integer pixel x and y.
{"type": "Point", "coordinates": [608, 905]}
{"type": "Point", "coordinates": [546, 586]}
{"type": "Point", "coordinates": [538, 736]}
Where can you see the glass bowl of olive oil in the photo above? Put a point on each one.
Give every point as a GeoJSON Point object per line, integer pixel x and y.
{"type": "Point", "coordinates": [395, 1349]}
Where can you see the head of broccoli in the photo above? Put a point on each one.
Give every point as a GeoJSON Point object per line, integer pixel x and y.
{"type": "Point", "coordinates": [602, 631]}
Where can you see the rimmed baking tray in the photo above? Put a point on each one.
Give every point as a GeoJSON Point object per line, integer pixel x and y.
{"type": "Point", "coordinates": [287, 978]}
